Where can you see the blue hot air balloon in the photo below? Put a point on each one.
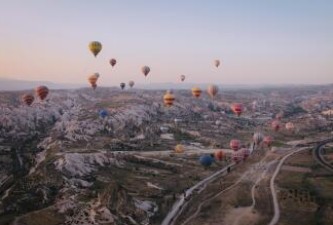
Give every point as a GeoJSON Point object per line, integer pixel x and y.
{"type": "Point", "coordinates": [206, 160]}
{"type": "Point", "coordinates": [103, 113]}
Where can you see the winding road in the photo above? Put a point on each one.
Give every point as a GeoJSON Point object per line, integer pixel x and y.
{"type": "Point", "coordinates": [317, 154]}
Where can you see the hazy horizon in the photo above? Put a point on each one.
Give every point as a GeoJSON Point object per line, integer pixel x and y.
{"type": "Point", "coordinates": [258, 42]}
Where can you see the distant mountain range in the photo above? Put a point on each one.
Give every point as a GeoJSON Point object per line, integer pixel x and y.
{"type": "Point", "coordinates": [16, 85]}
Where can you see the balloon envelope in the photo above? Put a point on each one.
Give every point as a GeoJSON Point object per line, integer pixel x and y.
{"type": "Point", "coordinates": [95, 47]}
{"type": "Point", "coordinates": [206, 160]}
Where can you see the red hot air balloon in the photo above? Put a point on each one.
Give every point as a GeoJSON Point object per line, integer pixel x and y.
{"type": "Point", "coordinates": [234, 144]}
{"type": "Point", "coordinates": [237, 108]}
{"type": "Point", "coordinates": [42, 92]}
{"type": "Point", "coordinates": [28, 99]}
{"type": "Point", "coordinates": [113, 62]}
{"type": "Point", "coordinates": [276, 125]}
{"type": "Point", "coordinates": [268, 141]}
{"type": "Point", "coordinates": [219, 155]}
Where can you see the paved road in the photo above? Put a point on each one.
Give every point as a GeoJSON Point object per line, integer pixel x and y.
{"type": "Point", "coordinates": [177, 207]}
{"type": "Point", "coordinates": [317, 154]}
{"type": "Point", "coordinates": [276, 216]}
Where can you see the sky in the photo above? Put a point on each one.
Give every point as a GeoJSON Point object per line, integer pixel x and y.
{"type": "Point", "coordinates": [258, 42]}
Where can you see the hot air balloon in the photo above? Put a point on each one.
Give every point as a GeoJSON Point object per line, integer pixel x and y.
{"type": "Point", "coordinates": [168, 99]}
{"type": "Point", "coordinates": [217, 63]}
{"type": "Point", "coordinates": [290, 126]}
{"type": "Point", "coordinates": [103, 113]}
{"type": "Point", "coordinates": [95, 47]}
{"type": "Point", "coordinates": [122, 86]}
{"type": "Point", "coordinates": [246, 152]}
{"type": "Point", "coordinates": [237, 157]}
{"type": "Point", "coordinates": [234, 144]}
{"type": "Point", "coordinates": [219, 155]}
{"type": "Point", "coordinates": [237, 108]}
{"type": "Point", "coordinates": [258, 138]}
{"type": "Point", "coordinates": [93, 80]}
{"type": "Point", "coordinates": [276, 125]}
{"type": "Point", "coordinates": [268, 141]}
{"type": "Point", "coordinates": [182, 77]}
{"type": "Point", "coordinates": [206, 160]}
{"type": "Point", "coordinates": [131, 83]}
{"type": "Point", "coordinates": [28, 99]}
{"type": "Point", "coordinates": [145, 70]}
{"type": "Point", "coordinates": [42, 92]}
{"type": "Point", "coordinates": [196, 92]}
{"type": "Point", "coordinates": [179, 148]}
{"type": "Point", "coordinates": [212, 90]}
{"type": "Point", "coordinates": [113, 62]}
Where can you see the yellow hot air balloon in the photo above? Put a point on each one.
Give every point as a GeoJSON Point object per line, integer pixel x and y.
{"type": "Point", "coordinates": [179, 148]}
{"type": "Point", "coordinates": [168, 99]}
{"type": "Point", "coordinates": [95, 47]}
{"type": "Point", "coordinates": [217, 63]}
{"type": "Point", "coordinates": [196, 92]}
{"type": "Point", "coordinates": [212, 90]}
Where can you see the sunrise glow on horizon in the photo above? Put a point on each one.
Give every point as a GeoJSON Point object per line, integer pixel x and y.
{"type": "Point", "coordinates": [273, 42]}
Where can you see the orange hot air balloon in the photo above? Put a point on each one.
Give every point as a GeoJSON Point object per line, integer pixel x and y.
{"type": "Point", "coordinates": [42, 92]}
{"type": "Point", "coordinates": [276, 125]}
{"type": "Point", "coordinates": [179, 148]}
{"type": "Point", "coordinates": [196, 92]}
{"type": "Point", "coordinates": [237, 108]}
{"type": "Point", "coordinates": [93, 80]}
{"type": "Point", "coordinates": [145, 70]}
{"type": "Point", "coordinates": [131, 83]}
{"type": "Point", "coordinates": [95, 47]}
{"type": "Point", "coordinates": [113, 62]}
{"type": "Point", "coordinates": [234, 144]}
{"type": "Point", "coordinates": [212, 90]}
{"type": "Point", "coordinates": [28, 99]}
{"type": "Point", "coordinates": [290, 126]}
{"type": "Point", "coordinates": [182, 77]}
{"type": "Point", "coordinates": [268, 141]}
{"type": "Point", "coordinates": [217, 63]}
{"type": "Point", "coordinates": [219, 155]}
{"type": "Point", "coordinates": [168, 99]}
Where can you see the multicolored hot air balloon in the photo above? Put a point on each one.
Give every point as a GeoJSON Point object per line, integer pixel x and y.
{"type": "Point", "coordinates": [258, 138]}
{"type": "Point", "coordinates": [182, 77]}
{"type": "Point", "coordinates": [93, 80]}
{"type": "Point", "coordinates": [42, 92]}
{"type": "Point", "coordinates": [212, 90]}
{"type": "Point", "coordinates": [206, 160]}
{"type": "Point", "coordinates": [237, 108]}
{"type": "Point", "coordinates": [103, 113]}
{"type": "Point", "coordinates": [234, 144]}
{"type": "Point", "coordinates": [268, 141]}
{"type": "Point", "coordinates": [276, 125]}
{"type": "Point", "coordinates": [219, 155]}
{"type": "Point", "coordinates": [179, 148]}
{"type": "Point", "coordinates": [28, 99]}
{"type": "Point", "coordinates": [216, 63]}
{"type": "Point", "coordinates": [196, 92]}
{"type": "Point", "coordinates": [168, 99]}
{"type": "Point", "coordinates": [95, 47]}
{"type": "Point", "coordinates": [145, 70]}
{"type": "Point", "coordinates": [113, 62]}
{"type": "Point", "coordinates": [131, 83]}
